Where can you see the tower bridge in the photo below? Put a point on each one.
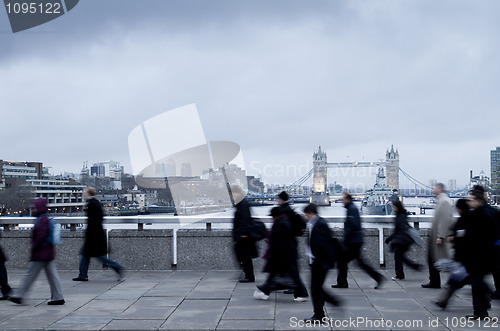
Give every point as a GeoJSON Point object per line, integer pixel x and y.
{"type": "Point", "coordinates": [321, 165]}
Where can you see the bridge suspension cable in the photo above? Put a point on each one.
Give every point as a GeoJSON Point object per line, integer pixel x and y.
{"type": "Point", "coordinates": [415, 181]}
{"type": "Point", "coordinates": [301, 180]}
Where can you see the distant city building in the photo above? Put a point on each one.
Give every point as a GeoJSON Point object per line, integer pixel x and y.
{"type": "Point", "coordinates": [495, 173]}
{"type": "Point", "coordinates": [110, 169]}
{"type": "Point", "coordinates": [480, 179]}
{"type": "Point", "coordinates": [433, 182]}
{"type": "Point", "coordinates": [63, 196]}
{"type": "Point", "coordinates": [452, 185]}
{"type": "Point", "coordinates": [171, 168]}
{"type": "Point", "coordinates": [186, 170]}
{"type": "Point", "coordinates": [255, 184]}
{"type": "Point", "coordinates": [103, 175]}
{"type": "Point", "coordinates": [24, 170]}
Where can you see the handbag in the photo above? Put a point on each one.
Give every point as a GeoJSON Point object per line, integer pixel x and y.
{"type": "Point", "coordinates": [414, 235]}
{"type": "Point", "coordinates": [257, 230]}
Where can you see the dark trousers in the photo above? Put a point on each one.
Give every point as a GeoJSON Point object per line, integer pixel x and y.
{"type": "Point", "coordinates": [300, 290]}
{"type": "Point", "coordinates": [352, 251]}
{"type": "Point", "coordinates": [434, 276]}
{"type": "Point", "coordinates": [318, 294]}
{"type": "Point", "coordinates": [4, 281]}
{"type": "Point", "coordinates": [85, 261]}
{"type": "Point", "coordinates": [480, 297]}
{"type": "Point", "coordinates": [400, 257]}
{"type": "Point", "coordinates": [496, 280]}
{"type": "Point", "coordinates": [244, 257]}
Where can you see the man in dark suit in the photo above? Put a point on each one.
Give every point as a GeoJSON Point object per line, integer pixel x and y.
{"type": "Point", "coordinates": [95, 244]}
{"type": "Point", "coordinates": [322, 257]}
{"type": "Point", "coordinates": [353, 242]}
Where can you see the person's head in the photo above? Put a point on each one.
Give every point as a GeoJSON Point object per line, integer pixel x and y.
{"type": "Point", "coordinates": [346, 199]}
{"type": "Point", "coordinates": [282, 198]}
{"type": "Point", "coordinates": [462, 206]}
{"type": "Point", "coordinates": [276, 212]}
{"type": "Point", "coordinates": [476, 197]}
{"type": "Point", "coordinates": [40, 207]}
{"type": "Point", "coordinates": [398, 207]}
{"type": "Point", "coordinates": [89, 193]}
{"type": "Point", "coordinates": [237, 193]}
{"type": "Point", "coordinates": [438, 189]}
{"type": "Point", "coordinates": [310, 211]}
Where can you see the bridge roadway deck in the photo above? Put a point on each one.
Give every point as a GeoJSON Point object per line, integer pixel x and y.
{"type": "Point", "coordinates": [214, 300]}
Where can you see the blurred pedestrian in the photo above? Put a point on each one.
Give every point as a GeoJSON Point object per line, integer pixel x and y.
{"type": "Point", "coordinates": [298, 226]}
{"type": "Point", "coordinates": [42, 257]}
{"type": "Point", "coordinates": [280, 257]}
{"type": "Point", "coordinates": [480, 260]}
{"type": "Point", "coordinates": [4, 280]}
{"type": "Point", "coordinates": [95, 244]}
{"type": "Point", "coordinates": [400, 241]}
{"type": "Point", "coordinates": [322, 254]}
{"type": "Point", "coordinates": [459, 277]}
{"type": "Point", "coordinates": [438, 247]}
{"type": "Point", "coordinates": [244, 247]}
{"type": "Point", "coordinates": [352, 244]}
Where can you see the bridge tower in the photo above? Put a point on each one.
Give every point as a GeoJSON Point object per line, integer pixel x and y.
{"type": "Point", "coordinates": [319, 172]}
{"type": "Point", "coordinates": [392, 168]}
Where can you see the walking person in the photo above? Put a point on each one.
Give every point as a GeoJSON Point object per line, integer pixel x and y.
{"type": "Point", "coordinates": [42, 257]}
{"type": "Point", "coordinates": [480, 237]}
{"type": "Point", "coordinates": [4, 280]}
{"type": "Point", "coordinates": [298, 226]}
{"type": "Point", "coordinates": [459, 277]}
{"type": "Point", "coordinates": [400, 241]}
{"type": "Point", "coordinates": [280, 256]}
{"type": "Point", "coordinates": [244, 247]}
{"type": "Point", "coordinates": [352, 244]}
{"type": "Point", "coordinates": [95, 244]}
{"type": "Point", "coordinates": [438, 247]}
{"type": "Point", "coordinates": [322, 253]}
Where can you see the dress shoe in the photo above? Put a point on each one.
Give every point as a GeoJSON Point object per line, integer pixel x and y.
{"type": "Point", "coordinates": [246, 280]}
{"type": "Point", "coordinates": [430, 285]}
{"type": "Point", "coordinates": [340, 286]}
{"type": "Point", "coordinates": [78, 279]}
{"type": "Point", "coordinates": [56, 302]}
{"type": "Point", "coordinates": [397, 278]}
{"type": "Point", "coordinates": [441, 304]}
{"type": "Point", "coordinates": [380, 282]}
{"type": "Point", "coordinates": [16, 300]}
{"type": "Point", "coordinates": [4, 297]}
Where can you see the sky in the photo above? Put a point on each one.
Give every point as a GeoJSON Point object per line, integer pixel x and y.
{"type": "Point", "coordinates": [280, 78]}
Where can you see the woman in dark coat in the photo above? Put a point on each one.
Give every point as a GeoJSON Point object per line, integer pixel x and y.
{"type": "Point", "coordinates": [244, 247]}
{"type": "Point", "coordinates": [400, 241]}
{"type": "Point", "coordinates": [95, 239]}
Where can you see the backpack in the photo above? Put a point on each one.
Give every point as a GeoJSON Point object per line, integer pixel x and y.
{"type": "Point", "coordinates": [299, 225]}
{"type": "Point", "coordinates": [54, 237]}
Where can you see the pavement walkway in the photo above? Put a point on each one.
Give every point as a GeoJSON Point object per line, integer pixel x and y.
{"type": "Point", "coordinates": [214, 300]}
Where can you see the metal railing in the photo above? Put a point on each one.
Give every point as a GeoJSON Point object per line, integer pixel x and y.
{"type": "Point", "coordinates": [212, 223]}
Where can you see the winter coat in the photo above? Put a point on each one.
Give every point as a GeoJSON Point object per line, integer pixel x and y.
{"type": "Point", "coordinates": [95, 237]}
{"type": "Point", "coordinates": [480, 236]}
{"type": "Point", "coordinates": [400, 234]}
{"type": "Point", "coordinates": [321, 244]}
{"type": "Point", "coordinates": [241, 227]}
{"type": "Point", "coordinates": [441, 228]}
{"type": "Point", "coordinates": [353, 233]}
{"type": "Point", "coordinates": [281, 247]}
{"type": "Point", "coordinates": [41, 249]}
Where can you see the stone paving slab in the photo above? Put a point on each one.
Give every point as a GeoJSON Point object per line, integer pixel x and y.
{"type": "Point", "coordinates": [214, 300]}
